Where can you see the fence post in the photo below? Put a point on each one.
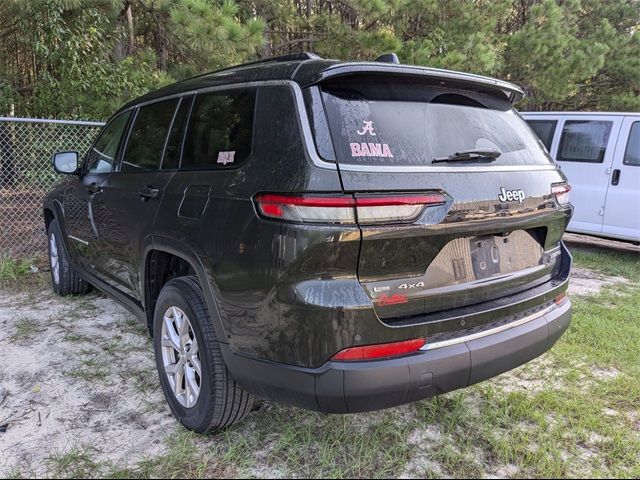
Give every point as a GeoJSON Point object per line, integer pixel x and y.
{"type": "Point", "coordinates": [6, 156]}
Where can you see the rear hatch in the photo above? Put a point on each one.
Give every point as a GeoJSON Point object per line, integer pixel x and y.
{"type": "Point", "coordinates": [498, 232]}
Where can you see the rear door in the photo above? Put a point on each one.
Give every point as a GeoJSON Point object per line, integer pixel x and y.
{"type": "Point", "coordinates": [499, 230]}
{"type": "Point", "coordinates": [622, 206]}
{"type": "Point", "coordinates": [585, 154]}
{"type": "Point", "coordinates": [133, 193]}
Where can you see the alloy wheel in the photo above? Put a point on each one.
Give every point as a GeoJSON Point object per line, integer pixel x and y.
{"type": "Point", "coordinates": [181, 357]}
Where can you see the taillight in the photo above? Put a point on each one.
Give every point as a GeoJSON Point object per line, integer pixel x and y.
{"type": "Point", "coordinates": [378, 351]}
{"type": "Point", "coordinates": [561, 192]}
{"type": "Point", "coordinates": [346, 209]}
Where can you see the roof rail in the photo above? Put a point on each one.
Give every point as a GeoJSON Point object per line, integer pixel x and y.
{"type": "Point", "coordinates": [292, 57]}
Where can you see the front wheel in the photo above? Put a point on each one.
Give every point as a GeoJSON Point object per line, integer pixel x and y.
{"type": "Point", "coordinates": [196, 383]}
{"type": "Point", "coordinates": [64, 280]}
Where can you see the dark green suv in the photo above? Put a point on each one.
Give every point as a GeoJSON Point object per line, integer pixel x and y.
{"type": "Point", "coordinates": [338, 236]}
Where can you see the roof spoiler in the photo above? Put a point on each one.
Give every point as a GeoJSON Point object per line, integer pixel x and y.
{"type": "Point", "coordinates": [502, 89]}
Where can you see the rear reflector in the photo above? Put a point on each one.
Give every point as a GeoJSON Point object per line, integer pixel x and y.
{"type": "Point", "coordinates": [560, 299]}
{"type": "Point", "coordinates": [561, 192]}
{"type": "Point", "coordinates": [382, 350]}
{"type": "Point", "coordinates": [346, 209]}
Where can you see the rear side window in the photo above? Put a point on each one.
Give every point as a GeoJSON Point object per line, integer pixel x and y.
{"type": "Point", "coordinates": [632, 154]}
{"type": "Point", "coordinates": [220, 130]}
{"type": "Point", "coordinates": [400, 122]}
{"type": "Point", "coordinates": [102, 156]}
{"type": "Point", "coordinates": [147, 137]}
{"type": "Point", "coordinates": [544, 129]}
{"type": "Point", "coordinates": [584, 141]}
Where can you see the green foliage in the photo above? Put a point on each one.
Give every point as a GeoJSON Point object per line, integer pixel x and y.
{"type": "Point", "coordinates": [83, 58]}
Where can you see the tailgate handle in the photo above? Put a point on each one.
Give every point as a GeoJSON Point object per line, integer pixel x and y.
{"type": "Point", "coordinates": [615, 178]}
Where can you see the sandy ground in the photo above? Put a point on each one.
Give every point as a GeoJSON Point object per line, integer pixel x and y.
{"type": "Point", "coordinates": [80, 371]}
{"type": "Point", "coordinates": [75, 372]}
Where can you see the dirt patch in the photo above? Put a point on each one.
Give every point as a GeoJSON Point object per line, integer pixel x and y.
{"type": "Point", "coordinates": [600, 243]}
{"type": "Point", "coordinates": [85, 378]}
{"type": "Point", "coordinates": [588, 282]}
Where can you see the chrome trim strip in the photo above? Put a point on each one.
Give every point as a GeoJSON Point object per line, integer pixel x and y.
{"type": "Point", "coordinates": [493, 331]}
{"type": "Point", "coordinates": [84, 242]}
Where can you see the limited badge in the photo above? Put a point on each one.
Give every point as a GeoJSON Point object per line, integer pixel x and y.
{"type": "Point", "coordinates": [226, 157]}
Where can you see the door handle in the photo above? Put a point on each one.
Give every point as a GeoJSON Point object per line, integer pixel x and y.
{"type": "Point", "coordinates": [94, 188]}
{"type": "Point", "coordinates": [148, 192]}
{"type": "Point", "coordinates": [615, 178]}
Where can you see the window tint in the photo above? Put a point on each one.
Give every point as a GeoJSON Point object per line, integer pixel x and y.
{"type": "Point", "coordinates": [584, 141]}
{"type": "Point", "coordinates": [404, 122]}
{"type": "Point", "coordinates": [147, 137]}
{"type": "Point", "coordinates": [174, 143]}
{"type": "Point", "coordinates": [632, 155]}
{"type": "Point", "coordinates": [544, 130]}
{"type": "Point", "coordinates": [220, 130]}
{"type": "Point", "coordinates": [103, 153]}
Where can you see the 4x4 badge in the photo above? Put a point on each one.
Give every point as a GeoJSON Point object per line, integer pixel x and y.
{"type": "Point", "coordinates": [511, 195]}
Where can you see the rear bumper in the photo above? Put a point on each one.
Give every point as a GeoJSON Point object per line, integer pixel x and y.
{"type": "Point", "coordinates": [349, 387]}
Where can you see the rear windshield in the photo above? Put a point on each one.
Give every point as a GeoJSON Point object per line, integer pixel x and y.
{"type": "Point", "coordinates": [401, 123]}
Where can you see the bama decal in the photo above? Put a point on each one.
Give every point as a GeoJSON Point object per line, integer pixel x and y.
{"type": "Point", "coordinates": [370, 150]}
{"type": "Point", "coordinates": [362, 149]}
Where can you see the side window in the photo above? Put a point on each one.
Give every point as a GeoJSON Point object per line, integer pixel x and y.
{"type": "Point", "coordinates": [220, 130]}
{"type": "Point", "coordinates": [102, 155]}
{"type": "Point", "coordinates": [174, 143]}
{"type": "Point", "coordinates": [632, 154]}
{"type": "Point", "coordinates": [544, 129]}
{"type": "Point", "coordinates": [147, 138]}
{"type": "Point", "coordinates": [584, 141]}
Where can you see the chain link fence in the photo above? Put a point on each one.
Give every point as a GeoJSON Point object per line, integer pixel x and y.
{"type": "Point", "coordinates": [26, 174]}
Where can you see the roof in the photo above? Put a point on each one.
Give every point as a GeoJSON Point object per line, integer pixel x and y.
{"type": "Point", "coordinates": [308, 69]}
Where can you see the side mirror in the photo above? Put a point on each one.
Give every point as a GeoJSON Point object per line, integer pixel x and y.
{"type": "Point", "coordinates": [65, 162]}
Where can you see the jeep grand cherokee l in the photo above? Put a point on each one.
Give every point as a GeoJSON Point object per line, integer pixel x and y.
{"type": "Point", "coordinates": [338, 236]}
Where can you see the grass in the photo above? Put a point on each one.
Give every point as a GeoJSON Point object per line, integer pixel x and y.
{"type": "Point", "coordinates": [13, 269]}
{"type": "Point", "coordinates": [575, 412]}
{"type": "Point", "coordinates": [25, 328]}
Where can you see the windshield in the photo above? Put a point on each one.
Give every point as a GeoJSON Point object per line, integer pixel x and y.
{"type": "Point", "coordinates": [408, 124]}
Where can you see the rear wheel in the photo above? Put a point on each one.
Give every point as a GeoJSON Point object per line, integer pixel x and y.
{"type": "Point", "coordinates": [196, 383]}
{"type": "Point", "coordinates": [64, 279]}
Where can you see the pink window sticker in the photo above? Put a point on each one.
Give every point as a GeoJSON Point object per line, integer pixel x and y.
{"type": "Point", "coordinates": [362, 149]}
{"type": "Point", "coordinates": [226, 157]}
{"type": "Point", "coordinates": [368, 128]}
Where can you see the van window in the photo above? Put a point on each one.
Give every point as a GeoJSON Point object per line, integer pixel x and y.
{"type": "Point", "coordinates": [632, 154]}
{"type": "Point", "coordinates": [171, 157]}
{"type": "Point", "coordinates": [544, 129]}
{"type": "Point", "coordinates": [147, 138]}
{"type": "Point", "coordinates": [406, 122]}
{"type": "Point", "coordinates": [220, 130]}
{"type": "Point", "coordinates": [102, 155]}
{"type": "Point", "coordinates": [584, 141]}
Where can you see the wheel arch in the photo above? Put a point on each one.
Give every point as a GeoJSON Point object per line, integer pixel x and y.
{"type": "Point", "coordinates": [186, 253]}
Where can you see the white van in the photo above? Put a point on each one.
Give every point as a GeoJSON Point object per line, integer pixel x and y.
{"type": "Point", "coordinates": [600, 155]}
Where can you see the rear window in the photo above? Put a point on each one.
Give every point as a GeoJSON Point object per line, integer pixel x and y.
{"type": "Point", "coordinates": [401, 123]}
{"type": "Point", "coordinates": [544, 129]}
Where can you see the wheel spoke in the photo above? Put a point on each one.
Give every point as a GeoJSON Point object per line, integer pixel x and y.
{"type": "Point", "coordinates": [191, 385]}
{"type": "Point", "coordinates": [171, 335]}
{"type": "Point", "coordinates": [195, 361]}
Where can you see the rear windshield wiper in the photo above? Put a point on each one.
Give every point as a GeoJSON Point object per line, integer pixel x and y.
{"type": "Point", "coordinates": [489, 155]}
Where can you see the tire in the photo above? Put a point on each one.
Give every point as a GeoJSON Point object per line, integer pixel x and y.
{"type": "Point", "coordinates": [64, 279]}
{"type": "Point", "coordinates": [220, 402]}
